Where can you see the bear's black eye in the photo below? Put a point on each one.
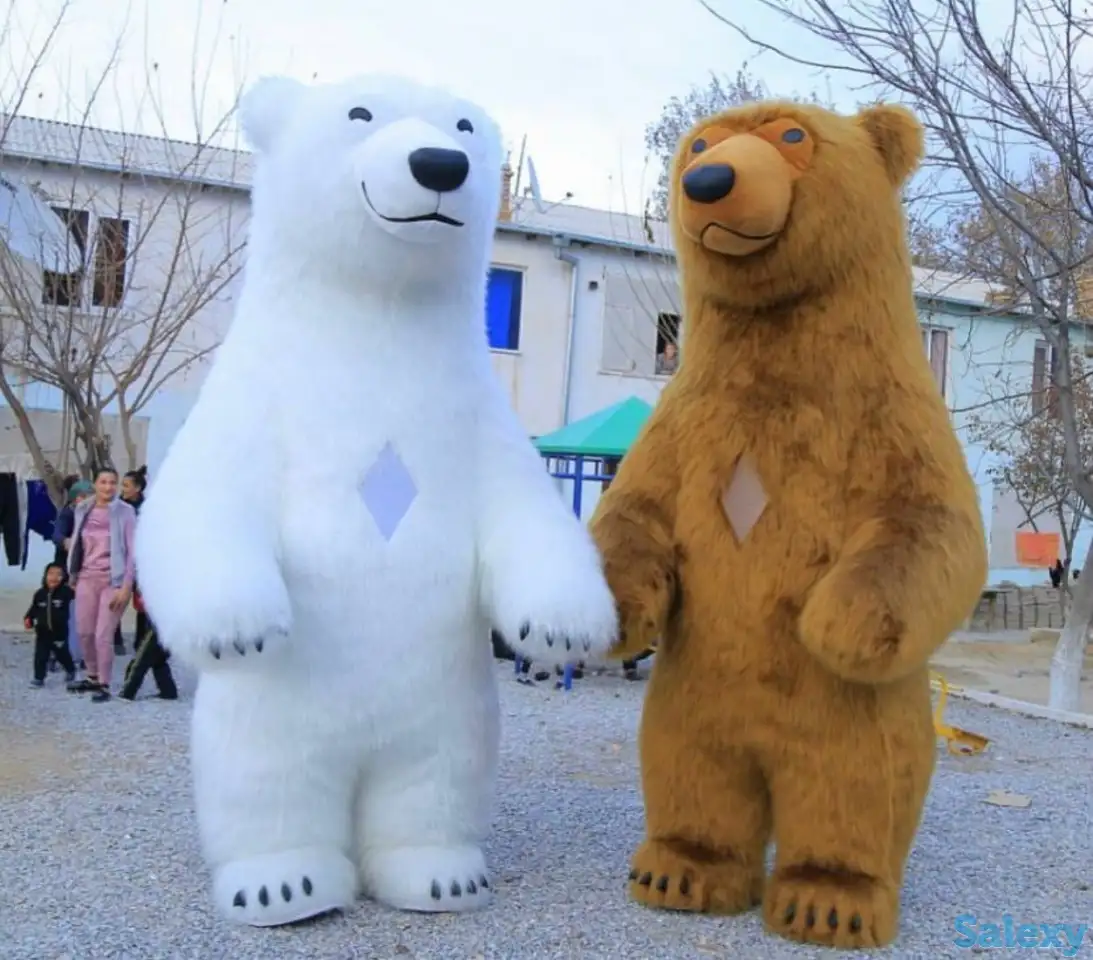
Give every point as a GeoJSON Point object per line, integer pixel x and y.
{"type": "Point", "coordinates": [360, 113]}
{"type": "Point", "coordinates": [698, 146]}
{"type": "Point", "coordinates": [795, 135]}
{"type": "Point", "coordinates": [465, 126]}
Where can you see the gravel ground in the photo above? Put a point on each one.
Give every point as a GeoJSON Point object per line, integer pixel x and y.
{"type": "Point", "coordinates": [98, 855]}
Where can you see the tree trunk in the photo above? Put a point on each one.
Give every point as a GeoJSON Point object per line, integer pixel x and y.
{"type": "Point", "coordinates": [1064, 597]}
{"type": "Point", "coordinates": [1066, 664]}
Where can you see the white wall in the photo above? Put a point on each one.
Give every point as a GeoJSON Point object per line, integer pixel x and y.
{"type": "Point", "coordinates": [534, 374]}
{"type": "Point", "coordinates": [618, 301]}
{"type": "Point", "coordinates": [990, 374]}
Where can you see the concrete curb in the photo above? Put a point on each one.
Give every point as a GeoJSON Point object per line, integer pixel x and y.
{"type": "Point", "coordinates": [1084, 720]}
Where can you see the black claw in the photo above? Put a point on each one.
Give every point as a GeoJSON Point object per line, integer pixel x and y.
{"type": "Point", "coordinates": [240, 899]}
{"type": "Point", "coordinates": [306, 884]}
{"type": "Point", "coordinates": [434, 890]}
{"type": "Point", "coordinates": [662, 884]}
{"type": "Point", "coordinates": [791, 913]}
{"type": "Point", "coordinates": [525, 629]}
{"type": "Point", "coordinates": [456, 889]}
{"type": "Point", "coordinates": [833, 919]}
{"type": "Point", "coordinates": [286, 892]}
{"type": "Point", "coordinates": [645, 879]}
{"type": "Point", "coordinates": [587, 646]}
{"type": "Point", "coordinates": [855, 923]}
{"type": "Point", "coordinates": [568, 644]}
{"type": "Point", "coordinates": [471, 888]}
{"type": "Point", "coordinates": [214, 649]}
{"type": "Point", "coordinates": [240, 647]}
{"type": "Point", "coordinates": [550, 639]}
{"type": "Point", "coordinates": [263, 896]}
{"type": "Point", "coordinates": [633, 875]}
{"type": "Point", "coordinates": [259, 644]}
{"type": "Point", "coordinates": [810, 918]}
{"type": "Point", "coordinates": [684, 887]}
{"type": "Point", "coordinates": [483, 882]}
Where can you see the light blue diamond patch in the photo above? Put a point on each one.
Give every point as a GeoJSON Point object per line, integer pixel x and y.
{"type": "Point", "coordinates": [388, 491]}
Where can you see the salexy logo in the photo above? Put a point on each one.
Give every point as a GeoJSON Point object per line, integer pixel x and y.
{"type": "Point", "coordinates": [1064, 938]}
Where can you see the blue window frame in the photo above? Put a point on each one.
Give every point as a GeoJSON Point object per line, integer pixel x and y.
{"type": "Point", "coordinates": [504, 295]}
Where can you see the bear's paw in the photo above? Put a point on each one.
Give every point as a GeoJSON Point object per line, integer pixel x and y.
{"type": "Point", "coordinates": [561, 619]}
{"type": "Point", "coordinates": [428, 879]}
{"type": "Point", "coordinates": [836, 909]}
{"type": "Point", "coordinates": [281, 888]}
{"type": "Point", "coordinates": [664, 877]}
{"type": "Point", "coordinates": [246, 626]}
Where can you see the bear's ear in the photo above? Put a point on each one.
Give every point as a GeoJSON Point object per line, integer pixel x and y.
{"type": "Point", "coordinates": [265, 108]}
{"type": "Point", "coordinates": [898, 137]}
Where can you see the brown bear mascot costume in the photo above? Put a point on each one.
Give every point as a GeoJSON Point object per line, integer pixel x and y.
{"type": "Point", "coordinates": [797, 526]}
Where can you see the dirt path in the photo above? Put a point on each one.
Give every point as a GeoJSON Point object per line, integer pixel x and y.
{"type": "Point", "coordinates": [1010, 668]}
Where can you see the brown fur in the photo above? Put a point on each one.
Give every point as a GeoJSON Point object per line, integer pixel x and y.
{"type": "Point", "coordinates": [790, 698]}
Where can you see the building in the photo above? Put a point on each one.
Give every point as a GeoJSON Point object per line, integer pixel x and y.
{"type": "Point", "coordinates": [583, 307]}
{"type": "Point", "coordinates": [156, 231]}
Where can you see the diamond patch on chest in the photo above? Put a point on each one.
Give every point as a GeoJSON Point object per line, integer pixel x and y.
{"type": "Point", "coordinates": [388, 491]}
{"type": "Point", "coordinates": [745, 499]}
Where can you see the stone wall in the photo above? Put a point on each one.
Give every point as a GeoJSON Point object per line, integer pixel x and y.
{"type": "Point", "coordinates": [1017, 608]}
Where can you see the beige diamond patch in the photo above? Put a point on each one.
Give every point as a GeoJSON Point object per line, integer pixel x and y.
{"type": "Point", "coordinates": [745, 499]}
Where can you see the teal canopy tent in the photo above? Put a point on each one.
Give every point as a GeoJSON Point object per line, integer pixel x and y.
{"type": "Point", "coordinates": [589, 450]}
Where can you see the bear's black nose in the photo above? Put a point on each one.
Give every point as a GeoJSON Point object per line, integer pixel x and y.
{"type": "Point", "coordinates": [438, 169]}
{"type": "Point", "coordinates": [710, 183]}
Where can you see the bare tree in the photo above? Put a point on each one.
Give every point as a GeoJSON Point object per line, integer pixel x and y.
{"type": "Point", "coordinates": [152, 243]}
{"type": "Point", "coordinates": [1004, 103]}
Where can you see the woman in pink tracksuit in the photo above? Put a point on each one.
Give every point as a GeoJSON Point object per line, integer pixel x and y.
{"type": "Point", "coordinates": [101, 568]}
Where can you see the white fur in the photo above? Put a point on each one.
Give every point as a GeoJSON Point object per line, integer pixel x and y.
{"type": "Point", "coordinates": [346, 722]}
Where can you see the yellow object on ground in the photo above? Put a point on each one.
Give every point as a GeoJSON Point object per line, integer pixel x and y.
{"type": "Point", "coordinates": [959, 741]}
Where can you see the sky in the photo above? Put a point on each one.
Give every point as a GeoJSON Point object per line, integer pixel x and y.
{"type": "Point", "coordinates": [579, 78]}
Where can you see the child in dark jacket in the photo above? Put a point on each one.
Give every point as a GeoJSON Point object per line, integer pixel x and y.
{"type": "Point", "coordinates": [48, 618]}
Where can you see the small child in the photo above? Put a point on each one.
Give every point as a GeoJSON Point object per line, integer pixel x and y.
{"type": "Point", "coordinates": [48, 618]}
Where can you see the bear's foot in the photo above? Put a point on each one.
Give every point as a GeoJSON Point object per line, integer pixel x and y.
{"type": "Point", "coordinates": [830, 907]}
{"type": "Point", "coordinates": [677, 876]}
{"type": "Point", "coordinates": [280, 888]}
{"type": "Point", "coordinates": [427, 879]}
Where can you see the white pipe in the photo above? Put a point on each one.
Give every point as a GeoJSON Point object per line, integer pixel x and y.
{"type": "Point", "coordinates": [562, 253]}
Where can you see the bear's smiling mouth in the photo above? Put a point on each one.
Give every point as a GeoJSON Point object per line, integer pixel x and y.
{"type": "Point", "coordinates": [434, 217]}
{"type": "Point", "coordinates": [737, 233]}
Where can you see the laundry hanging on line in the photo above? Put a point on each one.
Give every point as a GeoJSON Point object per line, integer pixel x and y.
{"type": "Point", "coordinates": [11, 517]}
{"type": "Point", "coordinates": [40, 515]}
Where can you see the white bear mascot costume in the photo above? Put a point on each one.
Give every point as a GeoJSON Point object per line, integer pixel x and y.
{"type": "Point", "coordinates": [349, 509]}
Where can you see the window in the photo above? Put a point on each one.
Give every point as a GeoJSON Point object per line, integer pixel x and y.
{"type": "Point", "coordinates": [64, 289]}
{"type": "Point", "coordinates": [1045, 365]}
{"type": "Point", "coordinates": [111, 249]}
{"type": "Point", "coordinates": [935, 340]}
{"type": "Point", "coordinates": [667, 357]}
{"type": "Point", "coordinates": [504, 295]}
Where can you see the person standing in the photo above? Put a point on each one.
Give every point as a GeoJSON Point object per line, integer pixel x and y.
{"type": "Point", "coordinates": [75, 492]}
{"type": "Point", "coordinates": [149, 652]}
{"type": "Point", "coordinates": [150, 655]}
{"type": "Point", "coordinates": [132, 492]}
{"type": "Point", "coordinates": [47, 616]}
{"type": "Point", "coordinates": [100, 565]}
